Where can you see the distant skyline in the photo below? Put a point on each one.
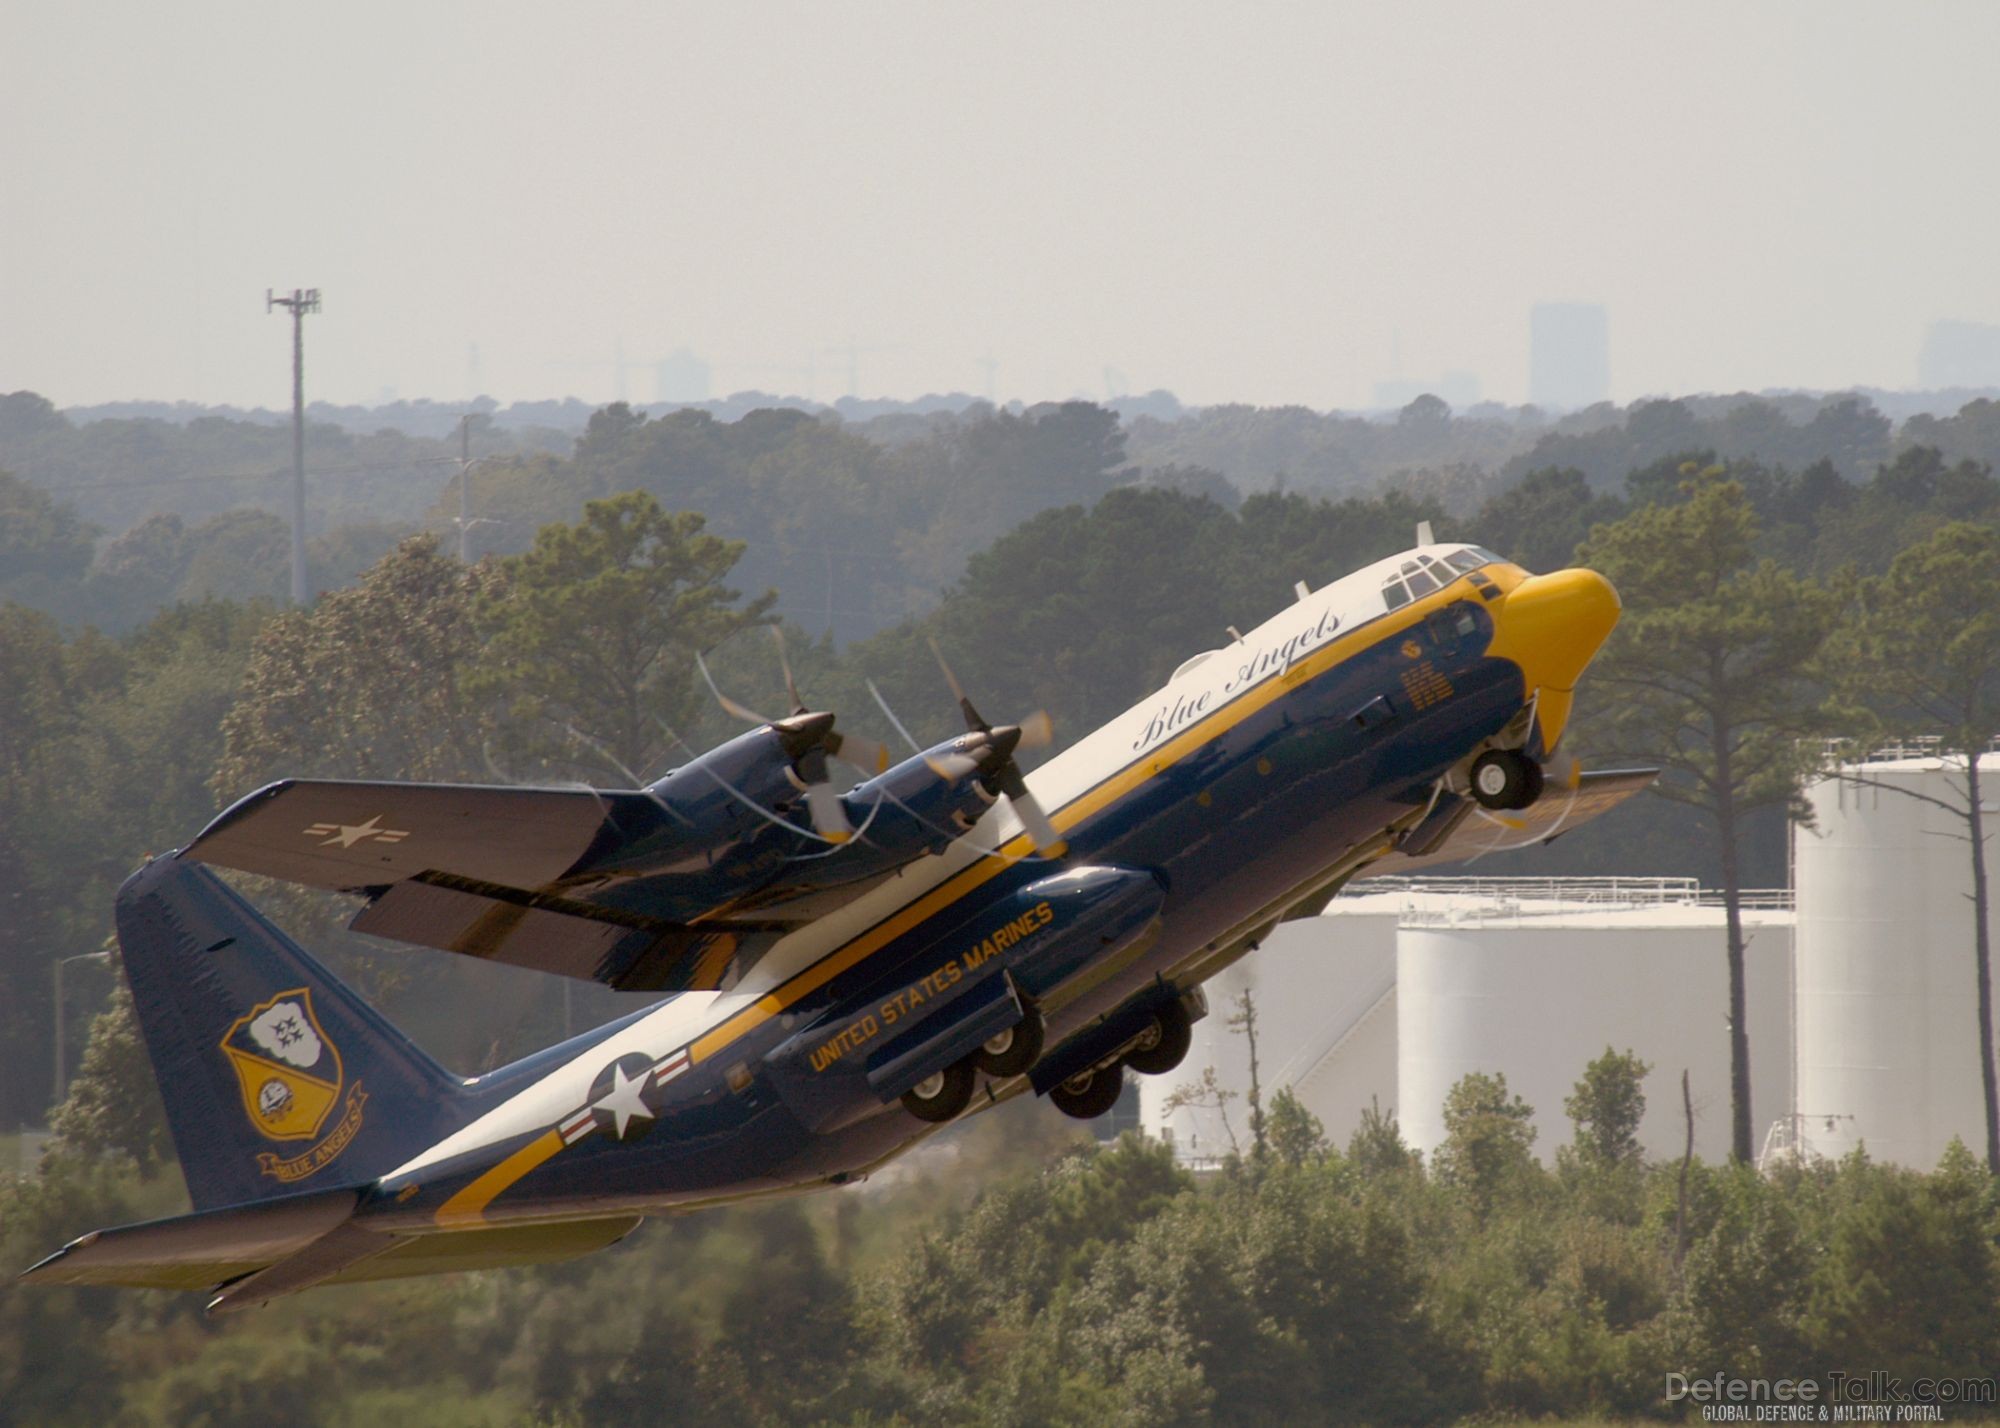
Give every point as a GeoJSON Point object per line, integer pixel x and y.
{"type": "Point", "coordinates": [1278, 204]}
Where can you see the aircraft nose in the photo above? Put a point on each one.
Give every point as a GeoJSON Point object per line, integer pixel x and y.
{"type": "Point", "coordinates": [1552, 626]}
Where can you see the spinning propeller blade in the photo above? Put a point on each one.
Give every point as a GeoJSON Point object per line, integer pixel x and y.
{"type": "Point", "coordinates": [729, 706]}
{"type": "Point", "coordinates": [863, 753]}
{"type": "Point", "coordinates": [829, 814]}
{"type": "Point", "coordinates": [890, 714]}
{"type": "Point", "coordinates": [992, 750]}
{"type": "Point", "coordinates": [808, 738]}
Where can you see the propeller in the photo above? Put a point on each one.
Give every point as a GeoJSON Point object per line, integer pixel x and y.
{"type": "Point", "coordinates": [989, 752]}
{"type": "Point", "coordinates": [808, 737]}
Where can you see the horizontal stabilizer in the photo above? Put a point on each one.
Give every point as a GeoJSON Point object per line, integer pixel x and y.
{"type": "Point", "coordinates": [255, 1253]}
{"type": "Point", "coordinates": [1556, 812]}
{"type": "Point", "coordinates": [200, 1250]}
{"type": "Point", "coordinates": [340, 1248]}
{"type": "Point", "coordinates": [346, 836]}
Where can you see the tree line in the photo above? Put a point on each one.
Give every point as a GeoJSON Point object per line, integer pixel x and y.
{"type": "Point", "coordinates": [1028, 1276]}
{"type": "Point", "coordinates": [571, 659]}
{"type": "Point", "coordinates": [859, 520]}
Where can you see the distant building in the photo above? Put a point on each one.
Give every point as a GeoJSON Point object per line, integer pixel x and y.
{"type": "Point", "coordinates": [1569, 355]}
{"type": "Point", "coordinates": [682, 377]}
{"type": "Point", "coordinates": [1861, 993]}
{"type": "Point", "coordinates": [1391, 996]}
{"type": "Point", "coordinates": [1960, 354]}
{"type": "Point", "coordinates": [1460, 389]}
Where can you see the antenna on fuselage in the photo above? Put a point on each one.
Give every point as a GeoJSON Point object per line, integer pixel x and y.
{"type": "Point", "coordinates": [1424, 536]}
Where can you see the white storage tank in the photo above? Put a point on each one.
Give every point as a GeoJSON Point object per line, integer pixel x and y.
{"type": "Point", "coordinates": [1324, 989]}
{"type": "Point", "coordinates": [1536, 982]}
{"type": "Point", "coordinates": [1887, 990]}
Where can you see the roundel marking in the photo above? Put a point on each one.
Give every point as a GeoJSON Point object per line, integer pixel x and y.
{"type": "Point", "coordinates": [617, 1097]}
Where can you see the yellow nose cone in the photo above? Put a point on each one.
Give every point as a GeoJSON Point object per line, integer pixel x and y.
{"type": "Point", "coordinates": [1552, 626]}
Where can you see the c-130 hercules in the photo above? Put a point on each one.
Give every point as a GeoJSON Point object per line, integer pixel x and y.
{"type": "Point", "coordinates": [844, 972]}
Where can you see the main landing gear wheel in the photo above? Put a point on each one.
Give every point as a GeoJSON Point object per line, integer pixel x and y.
{"type": "Point", "coordinates": [1089, 1096]}
{"type": "Point", "coordinates": [942, 1094]}
{"type": "Point", "coordinates": [1503, 778]}
{"type": "Point", "coordinates": [1164, 1044]}
{"type": "Point", "coordinates": [1014, 1050]}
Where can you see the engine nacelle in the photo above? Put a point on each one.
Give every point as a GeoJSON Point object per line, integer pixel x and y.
{"type": "Point", "coordinates": [698, 812]}
{"type": "Point", "coordinates": [699, 844]}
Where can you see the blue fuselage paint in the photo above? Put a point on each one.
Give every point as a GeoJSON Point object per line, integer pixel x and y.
{"type": "Point", "coordinates": [1227, 830]}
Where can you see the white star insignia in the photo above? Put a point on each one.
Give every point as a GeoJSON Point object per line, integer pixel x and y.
{"type": "Point", "coordinates": [346, 835]}
{"type": "Point", "coordinates": [623, 1101]}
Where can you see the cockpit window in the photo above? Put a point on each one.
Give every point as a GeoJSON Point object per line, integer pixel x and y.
{"type": "Point", "coordinates": [1418, 576]}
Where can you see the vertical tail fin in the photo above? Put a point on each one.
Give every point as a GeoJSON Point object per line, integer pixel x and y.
{"type": "Point", "coordinates": [277, 1078]}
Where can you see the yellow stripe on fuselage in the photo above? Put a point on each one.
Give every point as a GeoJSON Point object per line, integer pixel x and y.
{"type": "Point", "coordinates": [468, 1206]}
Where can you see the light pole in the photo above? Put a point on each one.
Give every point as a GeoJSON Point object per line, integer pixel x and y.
{"type": "Point", "coordinates": [61, 962]}
{"type": "Point", "coordinates": [301, 302]}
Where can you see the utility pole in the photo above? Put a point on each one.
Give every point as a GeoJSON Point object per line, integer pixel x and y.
{"type": "Point", "coordinates": [464, 480]}
{"type": "Point", "coordinates": [465, 465]}
{"type": "Point", "coordinates": [301, 302]}
{"type": "Point", "coordinates": [62, 1080]}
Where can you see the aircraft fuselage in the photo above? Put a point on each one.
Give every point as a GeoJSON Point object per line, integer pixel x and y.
{"type": "Point", "coordinates": [1259, 772]}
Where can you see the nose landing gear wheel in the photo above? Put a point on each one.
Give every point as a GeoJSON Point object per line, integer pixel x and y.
{"type": "Point", "coordinates": [1089, 1096]}
{"type": "Point", "coordinates": [1163, 1046]}
{"type": "Point", "coordinates": [1502, 778]}
{"type": "Point", "coordinates": [942, 1094]}
{"type": "Point", "coordinates": [1014, 1050]}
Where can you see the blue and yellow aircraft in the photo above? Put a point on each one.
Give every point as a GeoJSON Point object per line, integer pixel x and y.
{"type": "Point", "coordinates": [844, 972]}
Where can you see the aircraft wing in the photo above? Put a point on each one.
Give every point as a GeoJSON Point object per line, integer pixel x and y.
{"type": "Point", "coordinates": [551, 933]}
{"type": "Point", "coordinates": [471, 869]}
{"type": "Point", "coordinates": [1469, 832]}
{"type": "Point", "coordinates": [346, 836]}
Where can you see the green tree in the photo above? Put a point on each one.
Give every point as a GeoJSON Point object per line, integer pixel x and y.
{"type": "Point", "coordinates": [1243, 1021]}
{"type": "Point", "coordinates": [59, 786]}
{"type": "Point", "coordinates": [1710, 674]}
{"type": "Point", "coordinates": [1377, 1147]}
{"type": "Point", "coordinates": [114, 1105]}
{"type": "Point", "coordinates": [1540, 522]}
{"type": "Point", "coordinates": [1742, 1289]}
{"type": "Point", "coordinates": [45, 546]}
{"type": "Point", "coordinates": [1295, 1133]}
{"type": "Point", "coordinates": [1489, 1138]}
{"type": "Point", "coordinates": [1606, 1107]}
{"type": "Point", "coordinates": [1924, 659]}
{"type": "Point", "coordinates": [1057, 615]}
{"type": "Point", "coordinates": [594, 630]}
{"type": "Point", "coordinates": [367, 682]}
{"type": "Point", "coordinates": [1907, 1282]}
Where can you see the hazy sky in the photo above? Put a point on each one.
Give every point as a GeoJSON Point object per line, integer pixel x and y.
{"type": "Point", "coordinates": [1263, 203]}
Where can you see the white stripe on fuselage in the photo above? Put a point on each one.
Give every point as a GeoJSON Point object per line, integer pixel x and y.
{"type": "Point", "coordinates": [1210, 685]}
